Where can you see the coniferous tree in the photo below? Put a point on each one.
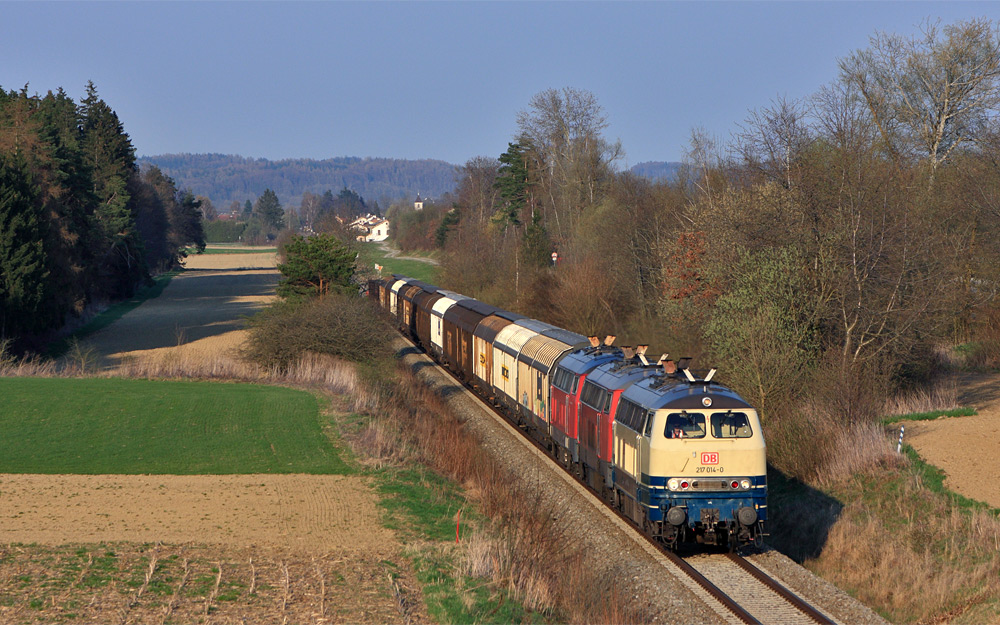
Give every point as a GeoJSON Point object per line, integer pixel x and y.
{"type": "Point", "coordinates": [23, 272]}
{"type": "Point", "coordinates": [268, 211]}
{"type": "Point", "coordinates": [315, 267]}
{"type": "Point", "coordinates": [109, 154]}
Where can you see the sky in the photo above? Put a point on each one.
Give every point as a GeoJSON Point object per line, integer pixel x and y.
{"type": "Point", "coordinates": [441, 80]}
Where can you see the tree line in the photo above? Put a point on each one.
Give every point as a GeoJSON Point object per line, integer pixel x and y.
{"type": "Point", "coordinates": [824, 257]}
{"type": "Point", "coordinates": [266, 220]}
{"type": "Point", "coordinates": [79, 222]}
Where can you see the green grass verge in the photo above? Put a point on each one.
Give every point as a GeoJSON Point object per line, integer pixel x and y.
{"type": "Point", "coordinates": [930, 416]}
{"type": "Point", "coordinates": [113, 313]}
{"type": "Point", "coordinates": [372, 254]}
{"type": "Point", "coordinates": [96, 426]}
{"type": "Point", "coordinates": [933, 479]}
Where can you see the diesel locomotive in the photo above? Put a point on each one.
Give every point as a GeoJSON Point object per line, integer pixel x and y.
{"type": "Point", "coordinates": [682, 456]}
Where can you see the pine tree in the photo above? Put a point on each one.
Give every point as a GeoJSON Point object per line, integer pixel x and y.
{"type": "Point", "coordinates": [316, 266]}
{"type": "Point", "coordinates": [23, 272]}
{"type": "Point", "coordinates": [109, 154]}
{"type": "Point", "coordinates": [268, 211]}
{"type": "Point", "coordinates": [513, 184]}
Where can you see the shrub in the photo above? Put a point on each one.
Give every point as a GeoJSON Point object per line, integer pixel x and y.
{"type": "Point", "coordinates": [344, 326]}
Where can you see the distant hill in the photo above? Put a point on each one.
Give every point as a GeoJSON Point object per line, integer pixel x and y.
{"type": "Point", "coordinates": [657, 170]}
{"type": "Point", "coordinates": [224, 178]}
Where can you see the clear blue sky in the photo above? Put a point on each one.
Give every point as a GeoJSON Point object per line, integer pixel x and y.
{"type": "Point", "coordinates": [434, 80]}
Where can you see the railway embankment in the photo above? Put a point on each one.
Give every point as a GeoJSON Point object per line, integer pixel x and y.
{"type": "Point", "coordinates": [612, 546]}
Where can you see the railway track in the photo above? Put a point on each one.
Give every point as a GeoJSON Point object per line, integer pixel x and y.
{"type": "Point", "coordinates": [735, 589]}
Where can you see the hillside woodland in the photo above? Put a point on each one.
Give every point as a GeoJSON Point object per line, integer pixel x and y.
{"type": "Point", "coordinates": [79, 223]}
{"type": "Point", "coordinates": [823, 259]}
{"type": "Point", "coordinates": [226, 179]}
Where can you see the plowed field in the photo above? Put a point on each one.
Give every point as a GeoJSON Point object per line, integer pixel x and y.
{"type": "Point", "coordinates": [966, 447]}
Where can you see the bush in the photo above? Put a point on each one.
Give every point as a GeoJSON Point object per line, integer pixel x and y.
{"type": "Point", "coordinates": [344, 326]}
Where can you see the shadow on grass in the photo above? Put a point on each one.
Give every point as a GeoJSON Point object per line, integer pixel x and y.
{"type": "Point", "coordinates": [800, 517]}
{"type": "Point", "coordinates": [115, 312]}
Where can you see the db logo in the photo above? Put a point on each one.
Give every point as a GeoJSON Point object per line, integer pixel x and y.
{"type": "Point", "coordinates": [710, 457]}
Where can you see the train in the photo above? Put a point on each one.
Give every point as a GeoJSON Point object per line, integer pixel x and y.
{"type": "Point", "coordinates": [681, 455]}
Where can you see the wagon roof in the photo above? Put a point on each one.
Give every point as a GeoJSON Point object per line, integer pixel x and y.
{"type": "Point", "coordinates": [541, 352]}
{"type": "Point", "coordinates": [535, 324]}
{"type": "Point", "coordinates": [480, 307]}
{"type": "Point", "coordinates": [464, 318]}
{"type": "Point", "coordinates": [490, 326]}
{"type": "Point", "coordinates": [512, 338]}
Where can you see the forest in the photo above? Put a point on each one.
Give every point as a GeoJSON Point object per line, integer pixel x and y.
{"type": "Point", "coordinates": [80, 224]}
{"type": "Point", "coordinates": [835, 251]}
{"type": "Point", "coordinates": [226, 178]}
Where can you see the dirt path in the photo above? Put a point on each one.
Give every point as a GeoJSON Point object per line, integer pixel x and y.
{"type": "Point", "coordinates": [966, 447]}
{"type": "Point", "coordinates": [393, 252]}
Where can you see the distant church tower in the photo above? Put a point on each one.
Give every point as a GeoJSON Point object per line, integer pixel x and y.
{"type": "Point", "coordinates": [419, 204]}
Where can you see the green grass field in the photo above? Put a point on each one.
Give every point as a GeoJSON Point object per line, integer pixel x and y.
{"type": "Point", "coordinates": [371, 253]}
{"type": "Point", "coordinates": [95, 426]}
{"type": "Point", "coordinates": [113, 313]}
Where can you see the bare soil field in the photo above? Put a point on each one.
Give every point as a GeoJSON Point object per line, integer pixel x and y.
{"type": "Point", "coordinates": [966, 447]}
{"type": "Point", "coordinates": [311, 514]}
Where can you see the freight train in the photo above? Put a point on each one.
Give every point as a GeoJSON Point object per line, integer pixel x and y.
{"type": "Point", "coordinates": [681, 455]}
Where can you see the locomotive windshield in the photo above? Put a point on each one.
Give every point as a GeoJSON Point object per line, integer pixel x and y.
{"type": "Point", "coordinates": [684, 425]}
{"type": "Point", "coordinates": [731, 425]}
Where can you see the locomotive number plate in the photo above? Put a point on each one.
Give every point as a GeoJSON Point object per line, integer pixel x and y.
{"type": "Point", "coordinates": [710, 457]}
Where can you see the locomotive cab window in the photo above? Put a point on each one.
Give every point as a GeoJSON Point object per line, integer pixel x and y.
{"type": "Point", "coordinates": [565, 380]}
{"type": "Point", "coordinates": [596, 397]}
{"type": "Point", "coordinates": [731, 425]}
{"type": "Point", "coordinates": [685, 425]}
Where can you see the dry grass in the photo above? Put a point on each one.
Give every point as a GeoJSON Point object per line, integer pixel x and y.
{"type": "Point", "coordinates": [942, 396]}
{"type": "Point", "coordinates": [915, 555]}
{"type": "Point", "coordinates": [522, 550]}
{"type": "Point", "coordinates": [818, 448]}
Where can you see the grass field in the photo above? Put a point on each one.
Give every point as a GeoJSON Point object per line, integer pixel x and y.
{"type": "Point", "coordinates": [97, 426]}
{"type": "Point", "coordinates": [371, 254]}
{"type": "Point", "coordinates": [113, 313]}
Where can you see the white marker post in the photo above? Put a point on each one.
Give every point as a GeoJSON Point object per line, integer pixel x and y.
{"type": "Point", "coordinates": [899, 447]}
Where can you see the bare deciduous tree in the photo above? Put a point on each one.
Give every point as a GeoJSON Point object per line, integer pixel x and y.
{"type": "Point", "coordinates": [564, 130]}
{"type": "Point", "coordinates": [932, 94]}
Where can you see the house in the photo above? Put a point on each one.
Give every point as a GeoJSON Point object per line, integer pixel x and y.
{"type": "Point", "coordinates": [370, 228]}
{"type": "Point", "coordinates": [419, 204]}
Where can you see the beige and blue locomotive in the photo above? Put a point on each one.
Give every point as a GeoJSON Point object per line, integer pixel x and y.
{"type": "Point", "coordinates": [690, 461]}
{"type": "Point", "coordinates": [683, 457]}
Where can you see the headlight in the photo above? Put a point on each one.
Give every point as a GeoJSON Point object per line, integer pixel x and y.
{"type": "Point", "coordinates": [672, 484]}
{"type": "Point", "coordinates": [745, 484]}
